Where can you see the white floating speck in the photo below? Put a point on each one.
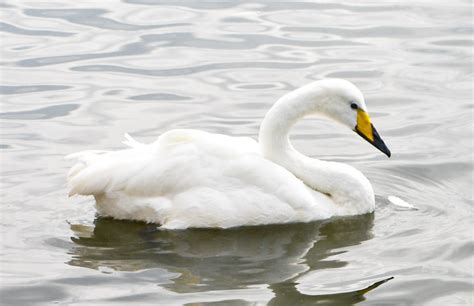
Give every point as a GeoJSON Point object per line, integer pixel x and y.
{"type": "Point", "coordinates": [400, 203]}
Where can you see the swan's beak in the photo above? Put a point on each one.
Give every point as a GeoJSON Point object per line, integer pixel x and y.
{"type": "Point", "coordinates": [365, 129]}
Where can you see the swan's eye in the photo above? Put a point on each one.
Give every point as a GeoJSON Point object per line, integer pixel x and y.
{"type": "Point", "coordinates": [354, 106]}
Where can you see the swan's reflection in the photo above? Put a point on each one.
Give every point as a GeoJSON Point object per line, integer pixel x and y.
{"type": "Point", "coordinates": [214, 259]}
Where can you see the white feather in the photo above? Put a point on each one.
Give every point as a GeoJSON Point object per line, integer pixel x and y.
{"type": "Point", "coordinates": [400, 203]}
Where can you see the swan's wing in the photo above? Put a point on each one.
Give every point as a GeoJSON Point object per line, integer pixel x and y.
{"type": "Point", "coordinates": [179, 159]}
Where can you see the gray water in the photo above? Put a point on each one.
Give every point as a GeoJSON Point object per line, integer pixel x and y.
{"type": "Point", "coordinates": [78, 74]}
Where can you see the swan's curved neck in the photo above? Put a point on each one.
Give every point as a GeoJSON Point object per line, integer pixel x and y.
{"type": "Point", "coordinates": [336, 179]}
{"type": "Point", "coordinates": [274, 135]}
{"type": "Point", "coordinates": [274, 138]}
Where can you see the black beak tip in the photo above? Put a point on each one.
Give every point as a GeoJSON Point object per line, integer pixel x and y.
{"type": "Point", "coordinates": [379, 144]}
{"type": "Point", "coordinates": [376, 141]}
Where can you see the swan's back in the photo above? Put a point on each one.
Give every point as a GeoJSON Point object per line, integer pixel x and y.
{"type": "Point", "coordinates": [190, 178]}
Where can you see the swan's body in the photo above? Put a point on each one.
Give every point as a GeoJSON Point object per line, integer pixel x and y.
{"type": "Point", "coordinates": [190, 178]}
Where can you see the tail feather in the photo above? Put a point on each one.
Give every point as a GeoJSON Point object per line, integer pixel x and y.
{"type": "Point", "coordinates": [84, 160]}
{"type": "Point", "coordinates": [131, 142]}
{"type": "Point", "coordinates": [99, 171]}
{"type": "Point", "coordinates": [78, 167]}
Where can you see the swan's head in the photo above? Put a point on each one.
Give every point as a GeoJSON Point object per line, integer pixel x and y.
{"type": "Point", "coordinates": [343, 102]}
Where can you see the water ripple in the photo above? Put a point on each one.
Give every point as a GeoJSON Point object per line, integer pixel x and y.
{"type": "Point", "coordinates": [201, 68]}
{"type": "Point", "coordinates": [240, 41]}
{"type": "Point", "coordinates": [148, 43]}
{"type": "Point", "coordinates": [41, 113]}
{"type": "Point", "coordinates": [6, 27]}
{"type": "Point", "coordinates": [271, 6]}
{"type": "Point", "coordinates": [91, 18]}
{"type": "Point", "coordinates": [159, 96]}
{"type": "Point", "coordinates": [125, 50]}
{"type": "Point", "coordinates": [21, 89]}
{"type": "Point", "coordinates": [372, 31]}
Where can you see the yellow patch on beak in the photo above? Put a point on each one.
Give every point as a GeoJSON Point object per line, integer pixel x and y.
{"type": "Point", "coordinates": [367, 131]}
{"type": "Point", "coordinates": [364, 126]}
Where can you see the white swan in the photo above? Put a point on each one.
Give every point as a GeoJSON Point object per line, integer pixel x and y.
{"type": "Point", "coordinates": [191, 178]}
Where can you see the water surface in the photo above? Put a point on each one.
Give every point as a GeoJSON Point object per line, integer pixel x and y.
{"type": "Point", "coordinates": [77, 75]}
